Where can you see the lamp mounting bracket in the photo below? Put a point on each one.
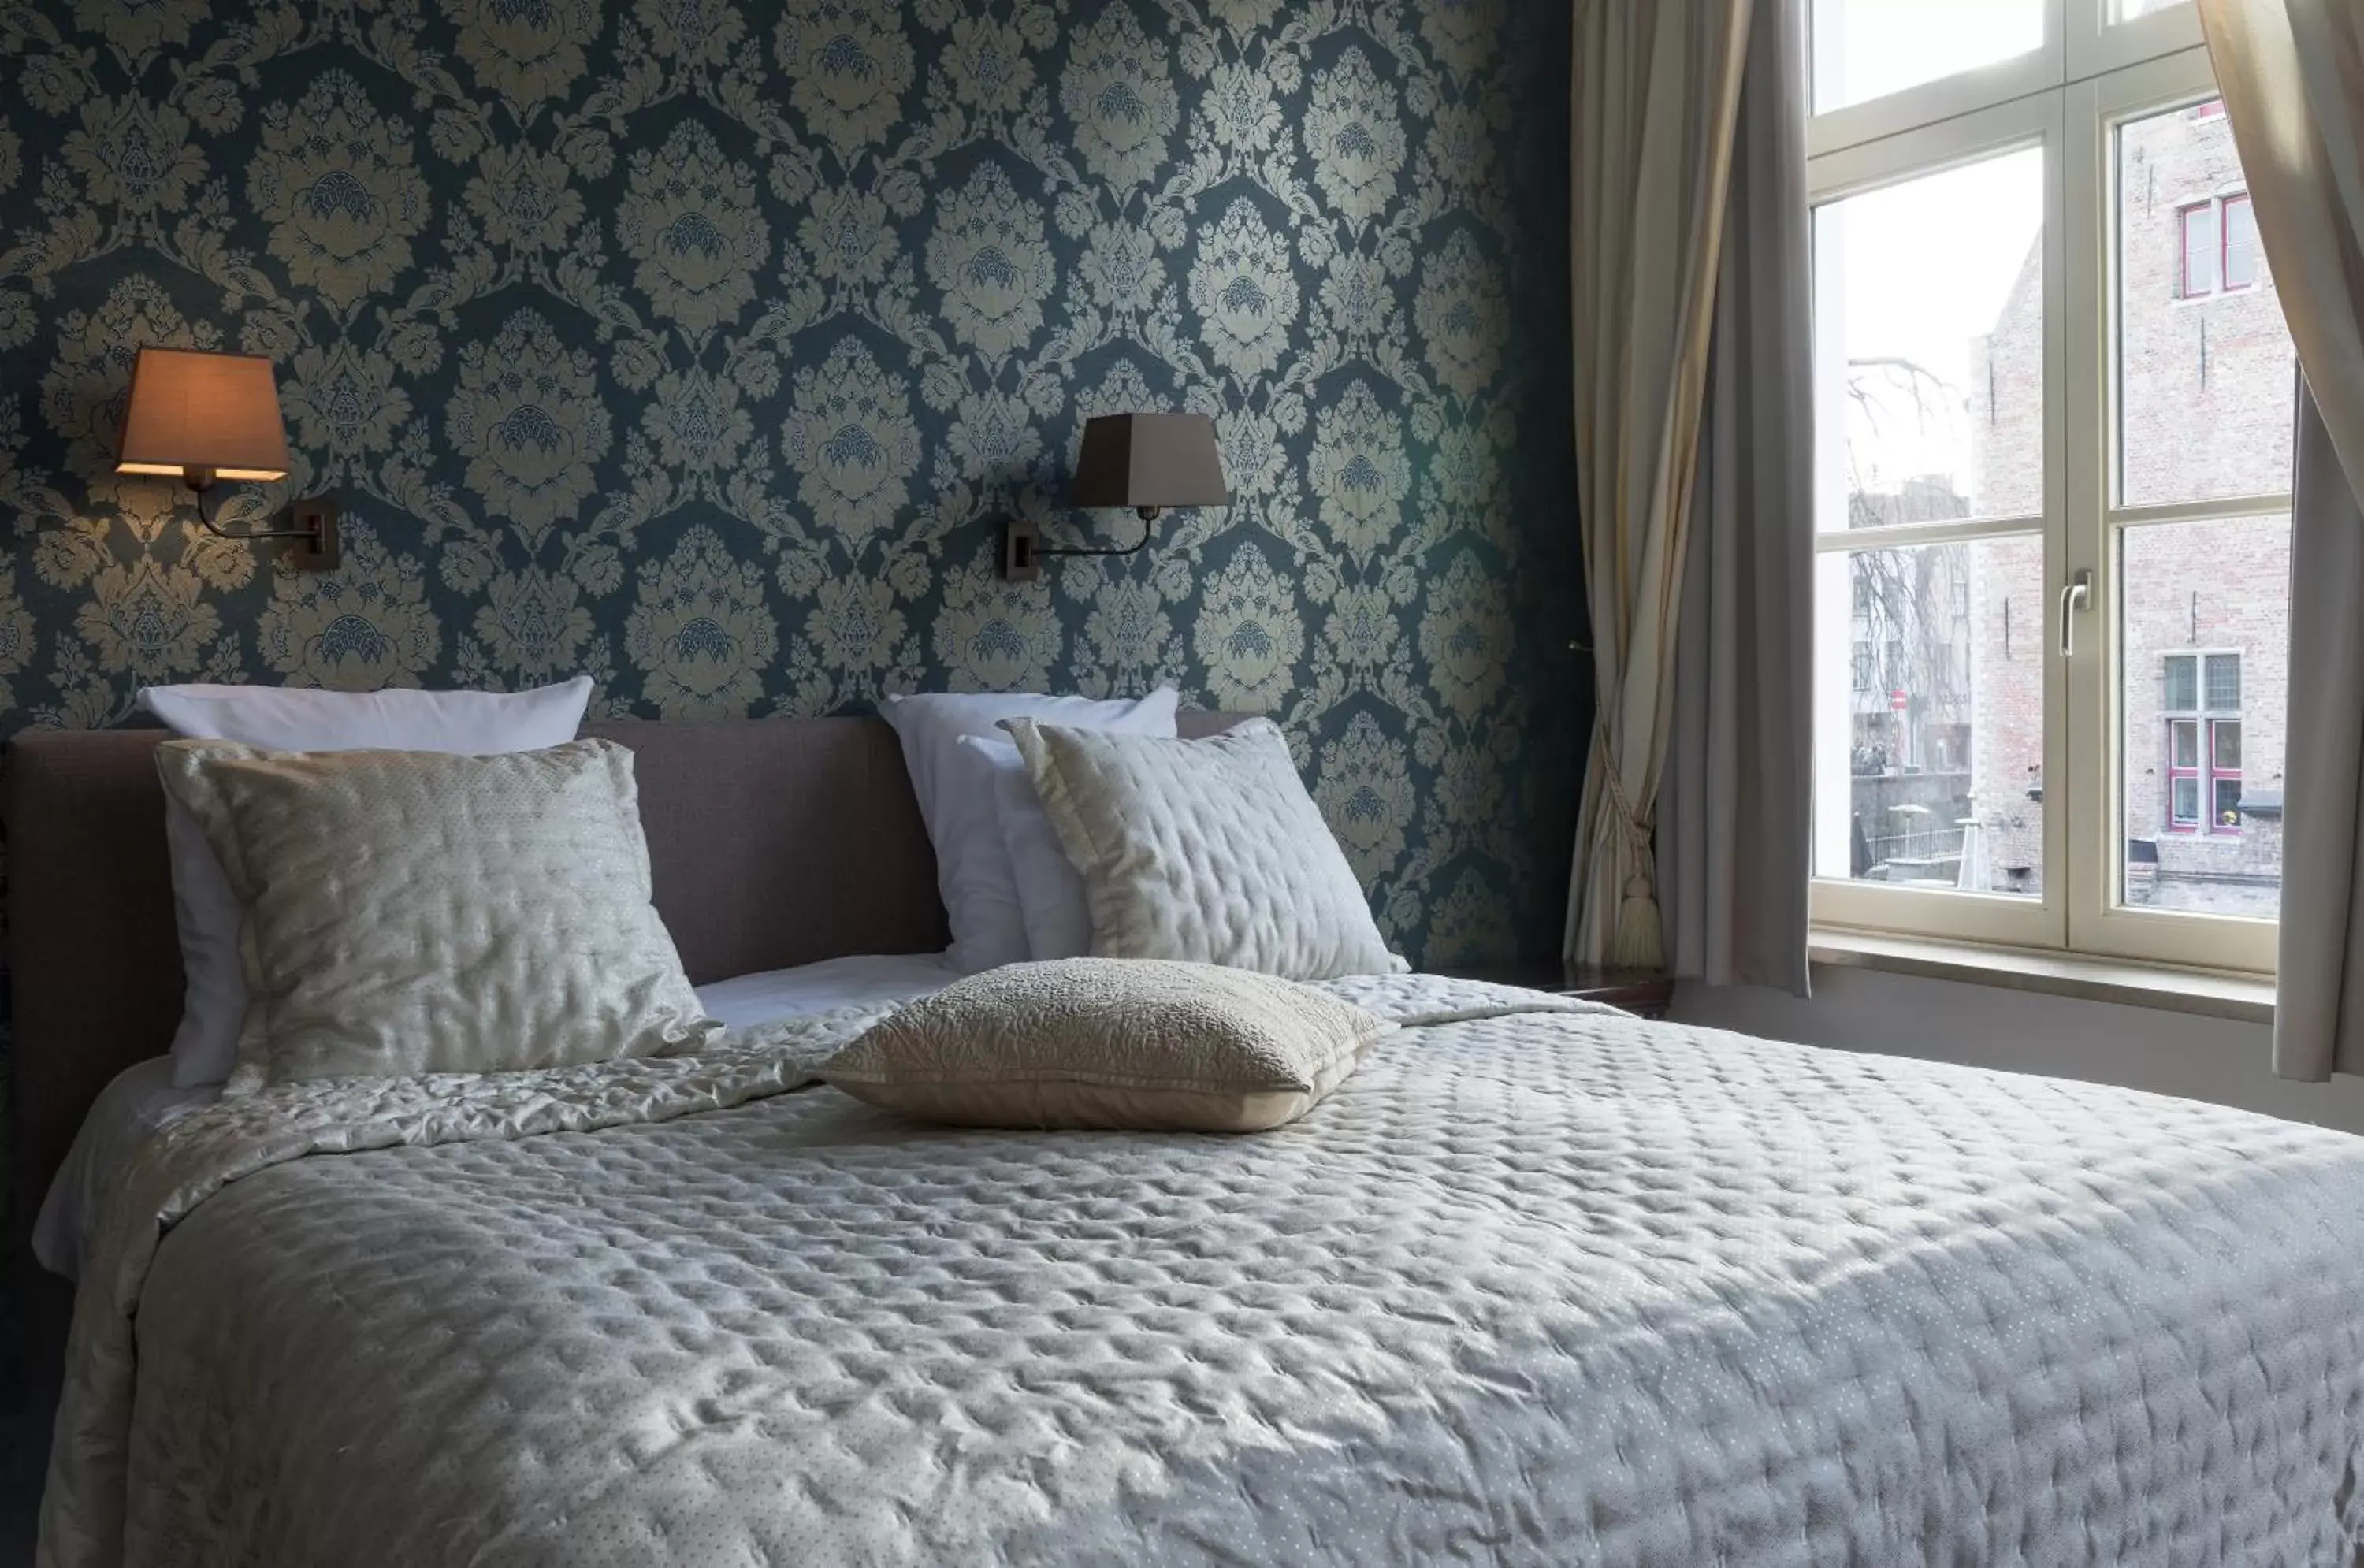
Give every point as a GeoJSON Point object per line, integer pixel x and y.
{"type": "Point", "coordinates": [1022, 548]}
{"type": "Point", "coordinates": [315, 533]}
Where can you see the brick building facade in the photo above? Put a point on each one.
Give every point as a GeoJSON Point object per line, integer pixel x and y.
{"type": "Point", "coordinates": [2206, 387]}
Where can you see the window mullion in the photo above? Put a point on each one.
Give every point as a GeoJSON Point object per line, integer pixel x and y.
{"type": "Point", "coordinates": [2087, 826]}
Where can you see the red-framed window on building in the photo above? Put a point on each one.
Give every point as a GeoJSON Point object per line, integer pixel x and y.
{"type": "Point", "coordinates": [2239, 227]}
{"type": "Point", "coordinates": [2197, 225]}
{"type": "Point", "coordinates": [2203, 706]}
{"type": "Point", "coordinates": [2219, 237]}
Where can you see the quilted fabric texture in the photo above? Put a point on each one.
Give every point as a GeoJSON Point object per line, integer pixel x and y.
{"type": "Point", "coordinates": [1207, 850]}
{"type": "Point", "coordinates": [1533, 1287]}
{"type": "Point", "coordinates": [1111, 1043]}
{"type": "Point", "coordinates": [204, 1048]}
{"type": "Point", "coordinates": [418, 912]}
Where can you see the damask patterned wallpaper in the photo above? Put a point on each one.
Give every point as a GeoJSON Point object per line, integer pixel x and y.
{"type": "Point", "coordinates": [701, 345]}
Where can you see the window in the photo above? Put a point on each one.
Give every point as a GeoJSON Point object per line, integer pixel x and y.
{"type": "Point", "coordinates": [2241, 248]}
{"type": "Point", "coordinates": [2219, 247]}
{"type": "Point", "coordinates": [1869, 49]}
{"type": "Point", "coordinates": [2202, 705]}
{"type": "Point", "coordinates": [2200, 250]}
{"type": "Point", "coordinates": [2052, 491]}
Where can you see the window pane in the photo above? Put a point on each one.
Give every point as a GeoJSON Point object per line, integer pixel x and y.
{"type": "Point", "coordinates": [2203, 821]}
{"type": "Point", "coordinates": [2225, 682]}
{"type": "Point", "coordinates": [2182, 682]}
{"type": "Point", "coordinates": [1868, 49]}
{"type": "Point", "coordinates": [1936, 778]}
{"type": "Point", "coordinates": [2199, 250]}
{"type": "Point", "coordinates": [2241, 251]}
{"type": "Point", "coordinates": [2205, 384]}
{"type": "Point", "coordinates": [1929, 348]}
{"type": "Point", "coordinates": [2127, 10]}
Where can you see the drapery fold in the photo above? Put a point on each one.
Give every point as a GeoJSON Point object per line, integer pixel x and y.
{"type": "Point", "coordinates": [1657, 92]}
{"type": "Point", "coordinates": [1735, 805]}
{"type": "Point", "coordinates": [2319, 1004]}
{"type": "Point", "coordinates": [2291, 73]}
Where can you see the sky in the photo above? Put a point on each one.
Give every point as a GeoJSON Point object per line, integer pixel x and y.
{"type": "Point", "coordinates": [1927, 264]}
{"type": "Point", "coordinates": [1864, 48]}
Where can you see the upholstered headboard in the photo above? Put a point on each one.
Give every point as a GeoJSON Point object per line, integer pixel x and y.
{"type": "Point", "coordinates": [775, 842]}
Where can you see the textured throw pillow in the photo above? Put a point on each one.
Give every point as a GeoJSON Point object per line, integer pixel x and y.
{"type": "Point", "coordinates": [1113, 1043]}
{"type": "Point", "coordinates": [1050, 891]}
{"type": "Point", "coordinates": [1209, 851]}
{"type": "Point", "coordinates": [286, 718]}
{"type": "Point", "coordinates": [419, 912]}
{"type": "Point", "coordinates": [955, 791]}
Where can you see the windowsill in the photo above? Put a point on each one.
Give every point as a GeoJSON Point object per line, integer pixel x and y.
{"type": "Point", "coordinates": [2244, 999]}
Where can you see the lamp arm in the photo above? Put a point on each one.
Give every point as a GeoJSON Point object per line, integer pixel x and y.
{"type": "Point", "coordinates": [1148, 516]}
{"type": "Point", "coordinates": [219, 532]}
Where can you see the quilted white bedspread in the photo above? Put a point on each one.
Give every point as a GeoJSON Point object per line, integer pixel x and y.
{"type": "Point", "coordinates": [1540, 1284]}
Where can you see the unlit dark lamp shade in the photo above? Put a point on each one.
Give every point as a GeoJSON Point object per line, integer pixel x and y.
{"type": "Point", "coordinates": [217, 412]}
{"type": "Point", "coordinates": [1150, 459]}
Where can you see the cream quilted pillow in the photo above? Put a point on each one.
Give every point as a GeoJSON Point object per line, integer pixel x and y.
{"type": "Point", "coordinates": [421, 912]}
{"type": "Point", "coordinates": [1110, 1043]}
{"type": "Point", "coordinates": [1209, 851]}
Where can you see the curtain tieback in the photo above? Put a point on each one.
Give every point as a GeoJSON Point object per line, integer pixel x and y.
{"type": "Point", "coordinates": [1638, 825]}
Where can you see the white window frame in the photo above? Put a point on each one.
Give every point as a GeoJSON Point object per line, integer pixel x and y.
{"type": "Point", "coordinates": [2069, 96]}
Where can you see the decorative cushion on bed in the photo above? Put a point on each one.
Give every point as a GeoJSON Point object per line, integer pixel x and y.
{"type": "Point", "coordinates": [1107, 1042]}
{"type": "Point", "coordinates": [1209, 851]}
{"type": "Point", "coordinates": [955, 791]}
{"type": "Point", "coordinates": [205, 1047]}
{"type": "Point", "coordinates": [418, 912]}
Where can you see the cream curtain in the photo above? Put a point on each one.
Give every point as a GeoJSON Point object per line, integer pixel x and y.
{"type": "Point", "coordinates": [2293, 75]}
{"type": "Point", "coordinates": [1735, 808]}
{"type": "Point", "coordinates": [1656, 91]}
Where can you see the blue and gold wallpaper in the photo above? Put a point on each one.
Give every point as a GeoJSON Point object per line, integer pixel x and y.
{"type": "Point", "coordinates": [702, 345]}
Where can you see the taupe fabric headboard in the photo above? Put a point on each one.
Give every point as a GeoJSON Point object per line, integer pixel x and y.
{"type": "Point", "coordinates": [776, 842]}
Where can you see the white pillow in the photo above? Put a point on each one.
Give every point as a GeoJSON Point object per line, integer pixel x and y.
{"type": "Point", "coordinates": [956, 790]}
{"type": "Point", "coordinates": [1209, 851]}
{"type": "Point", "coordinates": [278, 719]}
{"type": "Point", "coordinates": [1050, 890]}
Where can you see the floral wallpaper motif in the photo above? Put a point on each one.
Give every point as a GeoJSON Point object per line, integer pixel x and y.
{"type": "Point", "coordinates": [701, 345]}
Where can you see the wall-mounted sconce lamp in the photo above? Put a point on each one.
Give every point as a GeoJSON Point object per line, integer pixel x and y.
{"type": "Point", "coordinates": [205, 419]}
{"type": "Point", "coordinates": [1145, 461]}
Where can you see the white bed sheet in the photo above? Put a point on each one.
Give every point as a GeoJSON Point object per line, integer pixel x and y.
{"type": "Point", "coordinates": [142, 1098]}
{"type": "Point", "coordinates": [864, 979]}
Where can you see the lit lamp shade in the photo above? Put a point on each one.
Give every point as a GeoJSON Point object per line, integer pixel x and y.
{"type": "Point", "coordinates": [1150, 461]}
{"type": "Point", "coordinates": [203, 417]}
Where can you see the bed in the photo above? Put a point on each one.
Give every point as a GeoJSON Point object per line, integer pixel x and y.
{"type": "Point", "coordinates": [1541, 1283]}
